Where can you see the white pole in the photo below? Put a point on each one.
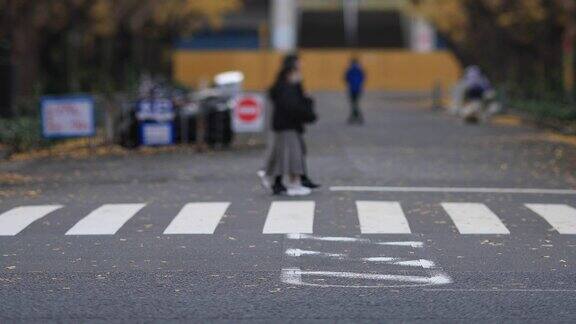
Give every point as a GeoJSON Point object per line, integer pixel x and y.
{"type": "Point", "coordinates": [284, 23]}
{"type": "Point", "coordinates": [423, 35]}
{"type": "Point", "coordinates": [351, 22]}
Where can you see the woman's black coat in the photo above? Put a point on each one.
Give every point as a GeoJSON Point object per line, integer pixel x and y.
{"type": "Point", "coordinates": [292, 110]}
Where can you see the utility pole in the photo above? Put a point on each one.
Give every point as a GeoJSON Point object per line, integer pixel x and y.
{"type": "Point", "coordinates": [351, 22]}
{"type": "Point", "coordinates": [284, 21]}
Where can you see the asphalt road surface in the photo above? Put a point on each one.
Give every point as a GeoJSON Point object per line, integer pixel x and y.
{"type": "Point", "coordinates": [420, 218]}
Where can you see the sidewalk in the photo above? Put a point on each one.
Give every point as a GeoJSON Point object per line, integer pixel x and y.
{"type": "Point", "coordinates": [402, 144]}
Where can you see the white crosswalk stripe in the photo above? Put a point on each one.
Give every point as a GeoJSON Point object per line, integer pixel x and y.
{"type": "Point", "coordinates": [106, 220]}
{"type": "Point", "coordinates": [474, 218]}
{"type": "Point", "coordinates": [290, 217]}
{"type": "Point", "coordinates": [198, 218]}
{"type": "Point", "coordinates": [561, 217]}
{"type": "Point", "coordinates": [17, 219]}
{"type": "Point", "coordinates": [382, 217]}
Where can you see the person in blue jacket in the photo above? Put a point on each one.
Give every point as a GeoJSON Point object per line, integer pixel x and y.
{"type": "Point", "coordinates": [355, 77]}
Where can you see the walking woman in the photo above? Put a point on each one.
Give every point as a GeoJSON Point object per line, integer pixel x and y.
{"type": "Point", "coordinates": [292, 110]}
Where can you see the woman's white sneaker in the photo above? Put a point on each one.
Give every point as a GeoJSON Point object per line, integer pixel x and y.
{"type": "Point", "coordinates": [298, 190]}
{"type": "Point", "coordinates": [264, 179]}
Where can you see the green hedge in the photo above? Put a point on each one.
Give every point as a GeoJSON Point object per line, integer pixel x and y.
{"type": "Point", "coordinates": [542, 109]}
{"type": "Point", "coordinates": [21, 134]}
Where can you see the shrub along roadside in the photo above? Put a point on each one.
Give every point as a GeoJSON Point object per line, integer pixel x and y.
{"type": "Point", "coordinates": [21, 134]}
{"type": "Point", "coordinates": [546, 110]}
{"type": "Point", "coordinates": [556, 115]}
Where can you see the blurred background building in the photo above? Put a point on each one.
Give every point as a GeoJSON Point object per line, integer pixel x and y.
{"type": "Point", "coordinates": [290, 24]}
{"type": "Point", "coordinates": [383, 34]}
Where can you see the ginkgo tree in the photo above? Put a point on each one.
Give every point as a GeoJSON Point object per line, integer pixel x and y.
{"type": "Point", "coordinates": [59, 41]}
{"type": "Point", "coordinates": [517, 42]}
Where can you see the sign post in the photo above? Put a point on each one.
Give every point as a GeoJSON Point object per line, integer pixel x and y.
{"type": "Point", "coordinates": [156, 122]}
{"type": "Point", "coordinates": [248, 114]}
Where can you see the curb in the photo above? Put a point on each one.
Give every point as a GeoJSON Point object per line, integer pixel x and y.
{"type": "Point", "coordinates": [563, 128]}
{"type": "Point", "coordinates": [554, 131]}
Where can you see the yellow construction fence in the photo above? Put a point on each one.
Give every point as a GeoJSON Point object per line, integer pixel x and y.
{"type": "Point", "coordinates": [323, 69]}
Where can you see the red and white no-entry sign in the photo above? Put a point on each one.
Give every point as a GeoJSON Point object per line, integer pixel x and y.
{"type": "Point", "coordinates": [248, 109]}
{"type": "Point", "coordinates": [248, 113]}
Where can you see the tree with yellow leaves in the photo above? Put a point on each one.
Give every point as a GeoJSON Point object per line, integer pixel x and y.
{"type": "Point", "coordinates": [518, 42]}
{"type": "Point", "coordinates": [64, 42]}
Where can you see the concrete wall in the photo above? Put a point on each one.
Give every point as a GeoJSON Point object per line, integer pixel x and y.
{"type": "Point", "coordinates": [323, 69]}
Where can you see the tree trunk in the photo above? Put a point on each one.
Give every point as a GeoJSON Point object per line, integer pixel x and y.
{"type": "Point", "coordinates": [25, 57]}
{"type": "Point", "coordinates": [73, 60]}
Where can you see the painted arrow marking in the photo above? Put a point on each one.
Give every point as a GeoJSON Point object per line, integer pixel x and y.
{"type": "Point", "coordinates": [293, 276]}
{"type": "Point", "coordinates": [421, 263]}
{"type": "Point", "coordinates": [299, 252]}
{"type": "Point", "coordinates": [326, 238]}
{"type": "Point", "coordinates": [413, 244]}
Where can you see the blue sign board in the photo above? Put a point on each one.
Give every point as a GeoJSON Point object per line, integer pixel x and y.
{"type": "Point", "coordinates": [156, 121]}
{"type": "Point", "coordinates": [156, 109]}
{"type": "Point", "coordinates": [156, 134]}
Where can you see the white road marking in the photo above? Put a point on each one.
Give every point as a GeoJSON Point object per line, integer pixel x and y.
{"type": "Point", "coordinates": [17, 219]}
{"type": "Point", "coordinates": [299, 252]}
{"type": "Point", "coordinates": [293, 218]}
{"type": "Point", "coordinates": [286, 217]}
{"type": "Point", "coordinates": [326, 238]}
{"type": "Point", "coordinates": [382, 217]}
{"type": "Point", "coordinates": [457, 190]}
{"type": "Point", "coordinates": [474, 218]}
{"type": "Point", "coordinates": [413, 244]}
{"type": "Point", "coordinates": [294, 276]}
{"type": "Point", "coordinates": [198, 218]}
{"type": "Point", "coordinates": [105, 220]}
{"type": "Point", "coordinates": [561, 217]}
{"type": "Point", "coordinates": [291, 276]}
{"type": "Point", "coordinates": [380, 259]}
{"type": "Point", "coordinates": [421, 263]}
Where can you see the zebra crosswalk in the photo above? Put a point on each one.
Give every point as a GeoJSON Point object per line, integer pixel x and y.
{"type": "Point", "coordinates": [289, 217]}
{"type": "Point", "coordinates": [15, 220]}
{"type": "Point", "coordinates": [198, 218]}
{"type": "Point", "coordinates": [473, 218]}
{"type": "Point", "coordinates": [106, 220]}
{"type": "Point", "coordinates": [382, 217]}
{"type": "Point", "coordinates": [285, 217]}
{"type": "Point", "coordinates": [561, 217]}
